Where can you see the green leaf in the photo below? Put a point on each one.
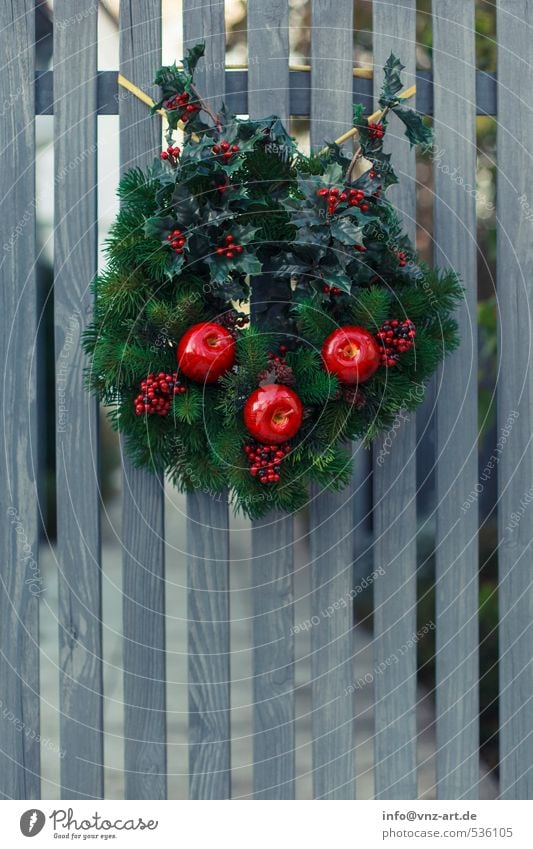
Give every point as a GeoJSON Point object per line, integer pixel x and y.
{"type": "Point", "coordinates": [346, 230]}
{"type": "Point", "coordinates": [416, 131]}
{"type": "Point", "coordinates": [392, 83]}
{"type": "Point", "coordinates": [194, 54]}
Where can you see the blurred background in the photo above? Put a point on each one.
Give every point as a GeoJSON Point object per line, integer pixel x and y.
{"type": "Point", "coordinates": [236, 25]}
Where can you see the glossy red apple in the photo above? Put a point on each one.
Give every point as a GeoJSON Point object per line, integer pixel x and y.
{"type": "Point", "coordinates": [351, 353]}
{"type": "Point", "coordinates": [273, 413]}
{"type": "Point", "coordinates": [206, 352]}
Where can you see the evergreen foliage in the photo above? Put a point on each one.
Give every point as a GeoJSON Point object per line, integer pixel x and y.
{"type": "Point", "coordinates": [308, 270]}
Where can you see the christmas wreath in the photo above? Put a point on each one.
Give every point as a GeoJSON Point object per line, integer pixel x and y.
{"type": "Point", "coordinates": [260, 308]}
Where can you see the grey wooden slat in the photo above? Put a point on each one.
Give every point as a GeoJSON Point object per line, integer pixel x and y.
{"type": "Point", "coordinates": [456, 547]}
{"type": "Point", "coordinates": [272, 556]}
{"type": "Point", "coordinates": [208, 647]}
{"type": "Point", "coordinates": [273, 659]}
{"type": "Point", "coordinates": [515, 395]}
{"type": "Point", "coordinates": [208, 523]}
{"type": "Point", "coordinates": [78, 519]}
{"type": "Point", "coordinates": [20, 578]}
{"type": "Point", "coordinates": [331, 69]}
{"type": "Point", "coordinates": [331, 514]}
{"type": "Point", "coordinates": [143, 495]}
{"type": "Point", "coordinates": [299, 92]}
{"type": "Point", "coordinates": [395, 487]}
{"type": "Point", "coordinates": [268, 58]}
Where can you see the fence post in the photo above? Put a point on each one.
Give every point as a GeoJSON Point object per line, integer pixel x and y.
{"type": "Point", "coordinates": [78, 507]}
{"type": "Point", "coordinates": [143, 538]}
{"type": "Point", "coordinates": [208, 523]}
{"type": "Point", "coordinates": [20, 578]}
{"type": "Point", "coordinates": [395, 487]}
{"type": "Point", "coordinates": [456, 550]}
{"type": "Point", "coordinates": [515, 395]}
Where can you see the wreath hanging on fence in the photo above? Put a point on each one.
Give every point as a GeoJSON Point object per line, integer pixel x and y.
{"type": "Point", "coordinates": [347, 323]}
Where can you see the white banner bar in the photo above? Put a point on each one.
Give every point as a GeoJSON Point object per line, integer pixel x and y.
{"type": "Point", "coordinates": [251, 825]}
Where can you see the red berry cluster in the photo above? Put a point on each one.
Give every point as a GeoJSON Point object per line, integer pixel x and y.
{"type": "Point", "coordinates": [332, 290]}
{"type": "Point", "coordinates": [181, 101]}
{"type": "Point", "coordinates": [278, 358]}
{"type": "Point", "coordinates": [225, 149]}
{"type": "Point", "coordinates": [177, 241]}
{"type": "Point", "coordinates": [265, 460]}
{"type": "Point", "coordinates": [171, 155]}
{"type": "Point", "coordinates": [334, 196]}
{"type": "Point", "coordinates": [394, 338]}
{"type": "Point", "coordinates": [376, 131]}
{"type": "Point", "coordinates": [402, 258]}
{"type": "Point", "coordinates": [230, 248]}
{"type": "Point", "coordinates": [156, 390]}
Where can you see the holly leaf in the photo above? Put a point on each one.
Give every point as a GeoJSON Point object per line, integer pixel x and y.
{"type": "Point", "coordinates": [334, 275]}
{"type": "Point", "coordinates": [392, 83]}
{"type": "Point", "coordinates": [416, 131]}
{"type": "Point", "coordinates": [158, 226]}
{"type": "Point", "coordinates": [193, 56]}
{"type": "Point", "coordinates": [346, 231]}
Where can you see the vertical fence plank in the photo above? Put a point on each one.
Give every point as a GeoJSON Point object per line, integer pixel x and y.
{"type": "Point", "coordinates": [78, 521]}
{"type": "Point", "coordinates": [395, 486]}
{"type": "Point", "coordinates": [208, 524]}
{"type": "Point", "coordinates": [515, 395]}
{"type": "Point", "coordinates": [331, 513]}
{"type": "Point", "coordinates": [272, 537]}
{"type": "Point", "coordinates": [143, 496]}
{"type": "Point", "coordinates": [456, 547]}
{"type": "Point", "coordinates": [20, 580]}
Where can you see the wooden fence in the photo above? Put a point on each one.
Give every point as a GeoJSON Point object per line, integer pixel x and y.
{"type": "Point", "coordinates": [453, 92]}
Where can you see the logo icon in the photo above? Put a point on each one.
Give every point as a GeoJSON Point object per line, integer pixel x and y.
{"type": "Point", "coordinates": [32, 822]}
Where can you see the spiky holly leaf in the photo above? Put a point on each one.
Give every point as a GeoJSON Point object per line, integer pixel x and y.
{"type": "Point", "coordinates": [392, 83]}
{"type": "Point", "coordinates": [193, 56]}
{"type": "Point", "coordinates": [159, 226]}
{"type": "Point", "coordinates": [346, 230]}
{"type": "Point", "coordinates": [416, 131]}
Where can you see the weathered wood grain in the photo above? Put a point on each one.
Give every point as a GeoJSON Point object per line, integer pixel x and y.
{"type": "Point", "coordinates": [395, 486]}
{"type": "Point", "coordinates": [78, 508]}
{"type": "Point", "coordinates": [456, 548]}
{"type": "Point", "coordinates": [143, 495]}
{"type": "Point", "coordinates": [208, 524]}
{"type": "Point", "coordinates": [515, 395]}
{"type": "Point", "coordinates": [20, 578]}
{"type": "Point", "coordinates": [209, 647]}
{"type": "Point", "coordinates": [331, 514]}
{"type": "Point", "coordinates": [331, 69]}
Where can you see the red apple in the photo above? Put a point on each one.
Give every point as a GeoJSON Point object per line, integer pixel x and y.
{"type": "Point", "coordinates": [351, 353]}
{"type": "Point", "coordinates": [273, 413]}
{"type": "Point", "coordinates": [206, 352]}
